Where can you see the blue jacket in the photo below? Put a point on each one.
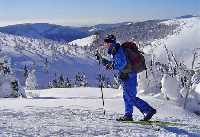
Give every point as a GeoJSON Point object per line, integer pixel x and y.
{"type": "Point", "coordinates": [119, 58]}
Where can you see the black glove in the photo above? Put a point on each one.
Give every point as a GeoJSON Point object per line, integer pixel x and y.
{"type": "Point", "coordinates": [98, 56]}
{"type": "Point", "coordinates": [109, 66]}
{"type": "Point", "coordinates": [123, 76]}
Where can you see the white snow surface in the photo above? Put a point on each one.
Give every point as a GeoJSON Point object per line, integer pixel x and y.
{"type": "Point", "coordinates": [198, 88]}
{"type": "Point", "coordinates": [88, 41]}
{"type": "Point", "coordinates": [170, 87]}
{"type": "Point", "coordinates": [181, 43]}
{"type": "Point", "coordinates": [77, 112]}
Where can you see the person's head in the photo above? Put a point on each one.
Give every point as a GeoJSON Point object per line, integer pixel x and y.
{"type": "Point", "coordinates": [110, 38]}
{"type": "Point", "coordinates": [110, 43]}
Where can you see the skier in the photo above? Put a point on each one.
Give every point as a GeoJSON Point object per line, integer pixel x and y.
{"type": "Point", "coordinates": [128, 78]}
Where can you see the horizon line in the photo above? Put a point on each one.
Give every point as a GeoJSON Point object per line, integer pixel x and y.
{"type": "Point", "coordinates": [79, 24]}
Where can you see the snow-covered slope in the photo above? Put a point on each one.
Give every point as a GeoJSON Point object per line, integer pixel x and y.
{"type": "Point", "coordinates": [88, 41]}
{"type": "Point", "coordinates": [45, 30]}
{"type": "Point", "coordinates": [182, 43]}
{"type": "Point", "coordinates": [173, 61]}
{"type": "Point", "coordinates": [78, 112]}
{"type": "Point", "coordinates": [62, 59]}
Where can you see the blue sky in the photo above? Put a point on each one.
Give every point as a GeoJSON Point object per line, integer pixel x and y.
{"type": "Point", "coordinates": [87, 12]}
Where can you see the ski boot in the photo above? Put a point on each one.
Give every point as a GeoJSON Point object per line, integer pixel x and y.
{"type": "Point", "coordinates": [125, 118]}
{"type": "Point", "coordinates": [149, 115]}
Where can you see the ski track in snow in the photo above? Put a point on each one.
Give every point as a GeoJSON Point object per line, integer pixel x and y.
{"type": "Point", "coordinates": [76, 121]}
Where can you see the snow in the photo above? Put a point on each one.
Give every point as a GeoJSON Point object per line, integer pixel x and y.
{"type": "Point", "coordinates": [170, 87]}
{"type": "Point", "coordinates": [129, 23]}
{"type": "Point", "coordinates": [181, 43]}
{"type": "Point", "coordinates": [31, 81]}
{"type": "Point", "coordinates": [92, 29]}
{"type": "Point", "coordinates": [88, 41]}
{"type": "Point", "coordinates": [62, 59]}
{"type": "Point", "coordinates": [78, 112]}
{"type": "Point", "coordinates": [198, 89]}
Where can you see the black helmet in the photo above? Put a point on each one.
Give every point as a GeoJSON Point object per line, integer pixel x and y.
{"type": "Point", "coordinates": [110, 38]}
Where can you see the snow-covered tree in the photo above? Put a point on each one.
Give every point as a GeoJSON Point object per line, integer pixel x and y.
{"type": "Point", "coordinates": [46, 66]}
{"type": "Point", "coordinates": [80, 80]}
{"type": "Point", "coordinates": [9, 85]}
{"type": "Point", "coordinates": [25, 74]}
{"type": "Point", "coordinates": [50, 84]}
{"type": "Point", "coordinates": [55, 83]}
{"type": "Point", "coordinates": [103, 81]}
{"type": "Point", "coordinates": [61, 82]}
{"type": "Point", "coordinates": [31, 81]}
{"type": "Point", "coordinates": [68, 83]}
{"type": "Point", "coordinates": [170, 87]}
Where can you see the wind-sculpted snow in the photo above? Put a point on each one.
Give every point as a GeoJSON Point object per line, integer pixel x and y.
{"type": "Point", "coordinates": [60, 121]}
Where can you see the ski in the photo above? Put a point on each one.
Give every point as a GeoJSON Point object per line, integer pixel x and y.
{"type": "Point", "coordinates": [152, 122]}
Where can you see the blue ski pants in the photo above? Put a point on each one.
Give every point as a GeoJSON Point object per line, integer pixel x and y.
{"type": "Point", "coordinates": [129, 94]}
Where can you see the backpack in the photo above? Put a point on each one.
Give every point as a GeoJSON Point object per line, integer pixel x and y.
{"type": "Point", "coordinates": [134, 56]}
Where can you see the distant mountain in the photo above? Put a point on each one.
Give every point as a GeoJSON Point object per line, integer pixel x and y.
{"type": "Point", "coordinates": [46, 31]}
{"type": "Point", "coordinates": [57, 32]}
{"type": "Point", "coordinates": [141, 31]}
{"type": "Point", "coordinates": [144, 31]}
{"type": "Point", "coordinates": [102, 27]}
{"type": "Point", "coordinates": [185, 17]}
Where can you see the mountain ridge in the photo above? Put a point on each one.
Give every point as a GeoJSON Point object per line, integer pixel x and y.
{"type": "Point", "coordinates": [69, 33]}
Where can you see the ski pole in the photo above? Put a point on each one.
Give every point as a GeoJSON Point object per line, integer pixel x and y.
{"type": "Point", "coordinates": [101, 84]}
{"type": "Point", "coordinates": [102, 97]}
